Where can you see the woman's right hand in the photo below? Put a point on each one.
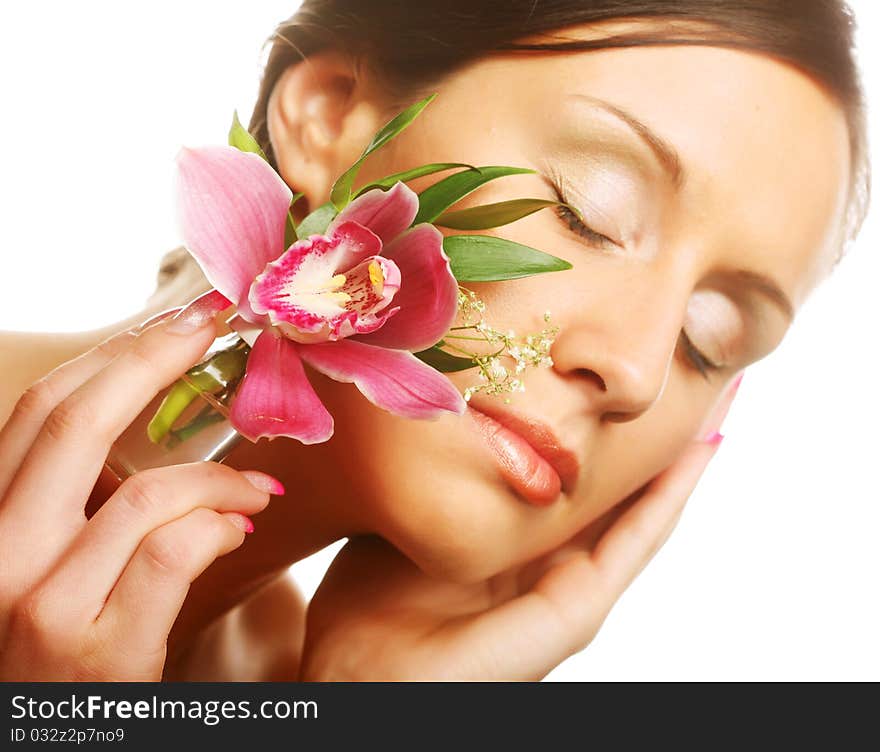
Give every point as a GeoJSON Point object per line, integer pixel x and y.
{"type": "Point", "coordinates": [94, 599]}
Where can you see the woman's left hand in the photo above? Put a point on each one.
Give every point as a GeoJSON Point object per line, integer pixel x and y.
{"type": "Point", "coordinates": [377, 617]}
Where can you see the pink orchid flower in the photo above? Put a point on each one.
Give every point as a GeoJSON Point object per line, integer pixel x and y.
{"type": "Point", "coordinates": [353, 303]}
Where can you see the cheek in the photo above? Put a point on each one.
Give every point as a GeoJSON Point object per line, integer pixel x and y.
{"type": "Point", "coordinates": [637, 452]}
{"type": "Point", "coordinates": [425, 487]}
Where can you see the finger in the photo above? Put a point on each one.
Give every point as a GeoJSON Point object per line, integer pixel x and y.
{"type": "Point", "coordinates": [590, 535]}
{"type": "Point", "coordinates": [716, 417]}
{"type": "Point", "coordinates": [638, 534]}
{"type": "Point", "coordinates": [564, 610]}
{"type": "Point", "coordinates": [587, 538]}
{"type": "Point", "coordinates": [62, 465]}
{"type": "Point", "coordinates": [84, 576]}
{"type": "Point", "coordinates": [583, 542]}
{"type": "Point", "coordinates": [150, 593]}
{"type": "Point", "coordinates": [161, 316]}
{"type": "Point", "coordinates": [34, 406]}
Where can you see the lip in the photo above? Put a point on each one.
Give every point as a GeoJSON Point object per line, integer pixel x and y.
{"type": "Point", "coordinates": [542, 440]}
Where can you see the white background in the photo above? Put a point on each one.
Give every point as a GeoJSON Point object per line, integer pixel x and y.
{"type": "Point", "coordinates": [773, 571]}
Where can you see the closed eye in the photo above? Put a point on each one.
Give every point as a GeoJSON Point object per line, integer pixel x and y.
{"type": "Point", "coordinates": [699, 361]}
{"type": "Point", "coordinates": [577, 226]}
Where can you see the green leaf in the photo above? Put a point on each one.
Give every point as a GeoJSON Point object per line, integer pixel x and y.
{"type": "Point", "coordinates": [436, 199]}
{"type": "Point", "coordinates": [241, 139]}
{"type": "Point", "coordinates": [317, 221]}
{"type": "Point", "coordinates": [290, 236]}
{"type": "Point", "coordinates": [416, 172]}
{"type": "Point", "coordinates": [485, 258]}
{"type": "Point", "coordinates": [443, 361]}
{"type": "Point", "coordinates": [340, 194]}
{"type": "Point", "coordinates": [493, 215]}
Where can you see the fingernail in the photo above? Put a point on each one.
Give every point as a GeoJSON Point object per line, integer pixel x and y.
{"type": "Point", "coordinates": [713, 438]}
{"type": "Point", "coordinates": [242, 522]}
{"type": "Point", "coordinates": [736, 382]}
{"type": "Point", "coordinates": [264, 482]}
{"type": "Point", "coordinates": [198, 313]}
{"type": "Point", "coordinates": [155, 319]}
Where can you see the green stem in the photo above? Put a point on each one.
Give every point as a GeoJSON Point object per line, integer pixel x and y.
{"type": "Point", "coordinates": [214, 375]}
{"type": "Point", "coordinates": [176, 401]}
{"type": "Point", "coordinates": [458, 349]}
{"type": "Point", "coordinates": [472, 339]}
{"type": "Point", "coordinates": [206, 417]}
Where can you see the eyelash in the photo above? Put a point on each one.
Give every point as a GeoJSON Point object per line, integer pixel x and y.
{"type": "Point", "coordinates": [578, 227]}
{"type": "Point", "coordinates": [701, 363]}
{"type": "Point", "coordinates": [571, 220]}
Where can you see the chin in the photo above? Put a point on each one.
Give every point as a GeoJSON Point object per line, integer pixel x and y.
{"type": "Point", "coordinates": [432, 490]}
{"type": "Point", "coordinates": [466, 527]}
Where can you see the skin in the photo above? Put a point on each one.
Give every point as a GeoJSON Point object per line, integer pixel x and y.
{"type": "Point", "coordinates": [759, 196]}
{"type": "Point", "coordinates": [449, 569]}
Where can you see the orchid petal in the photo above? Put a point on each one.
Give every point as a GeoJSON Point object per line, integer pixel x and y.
{"type": "Point", "coordinates": [387, 213]}
{"type": "Point", "coordinates": [275, 397]}
{"type": "Point", "coordinates": [428, 295]}
{"type": "Point", "coordinates": [394, 380]}
{"type": "Point", "coordinates": [232, 211]}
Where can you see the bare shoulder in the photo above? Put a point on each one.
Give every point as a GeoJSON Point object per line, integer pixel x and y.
{"type": "Point", "coordinates": [261, 639]}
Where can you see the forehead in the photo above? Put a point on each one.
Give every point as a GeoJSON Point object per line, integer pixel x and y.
{"type": "Point", "coordinates": [764, 147]}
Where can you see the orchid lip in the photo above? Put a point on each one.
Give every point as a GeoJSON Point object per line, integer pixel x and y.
{"type": "Point", "coordinates": [309, 299]}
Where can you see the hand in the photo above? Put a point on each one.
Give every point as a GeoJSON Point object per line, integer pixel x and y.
{"type": "Point", "coordinates": [377, 617]}
{"type": "Point", "coordinates": [94, 599]}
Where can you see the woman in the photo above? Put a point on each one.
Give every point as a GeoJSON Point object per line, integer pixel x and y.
{"type": "Point", "coordinates": [711, 219]}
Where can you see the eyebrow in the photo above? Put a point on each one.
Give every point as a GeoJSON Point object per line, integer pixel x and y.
{"type": "Point", "coordinates": [768, 288]}
{"type": "Point", "coordinates": [671, 162]}
{"type": "Point", "coordinates": [663, 150]}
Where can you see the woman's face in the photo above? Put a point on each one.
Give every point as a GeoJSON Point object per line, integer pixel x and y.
{"type": "Point", "coordinates": [713, 182]}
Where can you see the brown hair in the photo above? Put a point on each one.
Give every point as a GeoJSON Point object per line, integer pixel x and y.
{"type": "Point", "coordinates": [411, 46]}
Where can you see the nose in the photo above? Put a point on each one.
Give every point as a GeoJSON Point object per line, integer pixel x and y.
{"type": "Point", "coordinates": [619, 345]}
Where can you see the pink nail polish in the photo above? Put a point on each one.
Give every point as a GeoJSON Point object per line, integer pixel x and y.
{"type": "Point", "coordinates": [736, 382]}
{"type": "Point", "coordinates": [198, 313]}
{"type": "Point", "coordinates": [241, 521]}
{"type": "Point", "coordinates": [264, 482]}
{"type": "Point", "coordinates": [155, 319]}
{"type": "Point", "coordinates": [713, 438]}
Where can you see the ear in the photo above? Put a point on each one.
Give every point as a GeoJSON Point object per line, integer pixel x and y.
{"type": "Point", "coordinates": [321, 115]}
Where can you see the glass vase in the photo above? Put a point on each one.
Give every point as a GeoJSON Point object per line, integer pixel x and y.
{"type": "Point", "coordinates": [189, 420]}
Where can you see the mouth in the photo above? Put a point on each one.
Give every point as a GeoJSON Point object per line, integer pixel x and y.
{"type": "Point", "coordinates": [529, 454]}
